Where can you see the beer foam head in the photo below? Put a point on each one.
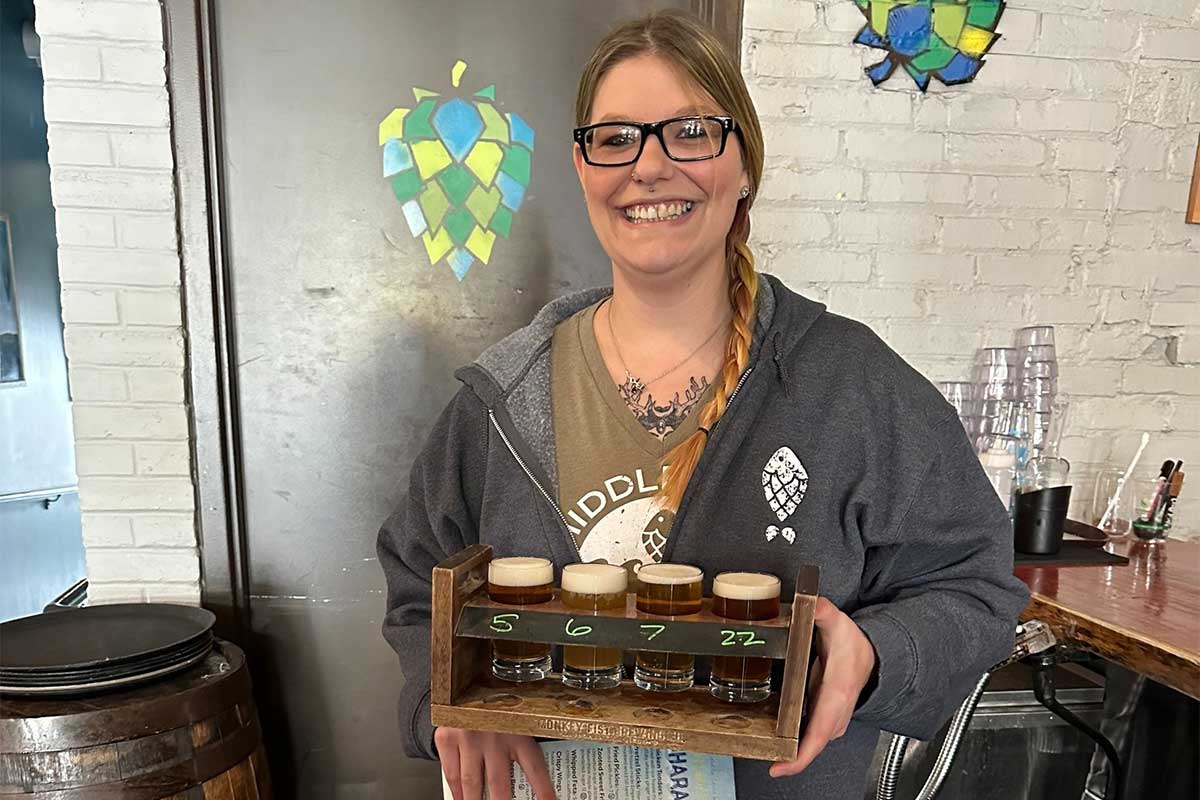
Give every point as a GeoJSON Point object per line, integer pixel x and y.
{"type": "Point", "coordinates": [669, 573]}
{"type": "Point", "coordinates": [594, 579]}
{"type": "Point", "coordinates": [520, 571]}
{"type": "Point", "coordinates": [746, 586]}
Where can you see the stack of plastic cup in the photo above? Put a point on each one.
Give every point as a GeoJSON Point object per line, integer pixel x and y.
{"type": "Point", "coordinates": [995, 378]}
{"type": "Point", "coordinates": [1038, 379]}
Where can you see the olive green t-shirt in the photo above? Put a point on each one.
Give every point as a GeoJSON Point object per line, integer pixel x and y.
{"type": "Point", "coordinates": [609, 453]}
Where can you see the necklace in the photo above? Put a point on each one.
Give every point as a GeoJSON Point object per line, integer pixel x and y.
{"type": "Point", "coordinates": [636, 384]}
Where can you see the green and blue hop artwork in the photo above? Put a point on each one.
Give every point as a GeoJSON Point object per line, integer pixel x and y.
{"type": "Point", "coordinates": [459, 168]}
{"type": "Point", "coordinates": [944, 39]}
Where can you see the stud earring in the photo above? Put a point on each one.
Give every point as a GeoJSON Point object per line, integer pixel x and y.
{"type": "Point", "coordinates": [745, 192]}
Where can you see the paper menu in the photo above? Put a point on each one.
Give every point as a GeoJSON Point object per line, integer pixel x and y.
{"type": "Point", "coordinates": [597, 771]}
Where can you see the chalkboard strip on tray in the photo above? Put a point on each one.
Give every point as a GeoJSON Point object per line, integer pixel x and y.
{"type": "Point", "coordinates": [554, 623]}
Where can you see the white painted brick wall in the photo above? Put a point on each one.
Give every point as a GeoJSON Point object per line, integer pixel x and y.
{"type": "Point", "coordinates": [111, 179]}
{"type": "Point", "coordinates": [1049, 190]}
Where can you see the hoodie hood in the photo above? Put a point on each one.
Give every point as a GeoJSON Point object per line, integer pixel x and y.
{"type": "Point", "coordinates": [512, 377]}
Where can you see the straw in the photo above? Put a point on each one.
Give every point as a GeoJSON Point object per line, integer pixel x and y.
{"type": "Point", "coordinates": [1112, 501]}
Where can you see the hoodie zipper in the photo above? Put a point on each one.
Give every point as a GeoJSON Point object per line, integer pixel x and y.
{"type": "Point", "coordinates": [738, 387]}
{"type": "Point", "coordinates": [729, 402]}
{"type": "Point", "coordinates": [528, 473]}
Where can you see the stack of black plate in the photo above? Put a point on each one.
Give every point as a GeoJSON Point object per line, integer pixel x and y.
{"type": "Point", "coordinates": [97, 648]}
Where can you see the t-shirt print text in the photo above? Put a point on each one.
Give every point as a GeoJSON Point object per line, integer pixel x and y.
{"type": "Point", "coordinates": [621, 520]}
{"type": "Point", "coordinates": [784, 482]}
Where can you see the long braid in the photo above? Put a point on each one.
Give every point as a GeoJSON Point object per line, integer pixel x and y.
{"type": "Point", "coordinates": [743, 286]}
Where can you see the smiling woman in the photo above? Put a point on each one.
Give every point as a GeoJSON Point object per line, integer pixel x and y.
{"type": "Point", "coordinates": [630, 426]}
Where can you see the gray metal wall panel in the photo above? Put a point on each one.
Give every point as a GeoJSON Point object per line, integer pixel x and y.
{"type": "Point", "coordinates": [347, 337]}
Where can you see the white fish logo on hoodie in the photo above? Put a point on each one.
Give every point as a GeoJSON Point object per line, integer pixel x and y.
{"type": "Point", "coordinates": [784, 481]}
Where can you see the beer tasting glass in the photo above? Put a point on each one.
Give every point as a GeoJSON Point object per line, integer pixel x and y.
{"type": "Point", "coordinates": [667, 590]}
{"type": "Point", "coordinates": [743, 596]}
{"type": "Point", "coordinates": [520, 581]}
{"type": "Point", "coordinates": [591, 588]}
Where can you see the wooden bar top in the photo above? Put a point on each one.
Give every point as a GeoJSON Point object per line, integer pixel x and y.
{"type": "Point", "coordinates": [1144, 616]}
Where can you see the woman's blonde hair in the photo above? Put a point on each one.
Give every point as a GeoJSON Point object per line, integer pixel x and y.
{"type": "Point", "coordinates": [701, 58]}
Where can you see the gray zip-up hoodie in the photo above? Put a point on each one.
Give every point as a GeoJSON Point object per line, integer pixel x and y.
{"type": "Point", "coordinates": [882, 491]}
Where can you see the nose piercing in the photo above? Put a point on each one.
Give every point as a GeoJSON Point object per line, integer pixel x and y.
{"type": "Point", "coordinates": [635, 177]}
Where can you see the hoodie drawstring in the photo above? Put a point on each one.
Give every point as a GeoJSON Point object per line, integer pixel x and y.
{"type": "Point", "coordinates": [777, 357]}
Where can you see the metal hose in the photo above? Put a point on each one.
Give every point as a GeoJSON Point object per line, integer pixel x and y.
{"type": "Point", "coordinates": [890, 773]}
{"type": "Point", "coordinates": [891, 768]}
{"type": "Point", "coordinates": [1032, 637]}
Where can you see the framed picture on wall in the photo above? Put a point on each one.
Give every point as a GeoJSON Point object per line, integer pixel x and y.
{"type": "Point", "coordinates": [1193, 206]}
{"type": "Point", "coordinates": [10, 332]}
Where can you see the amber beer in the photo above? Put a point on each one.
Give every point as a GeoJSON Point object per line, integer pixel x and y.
{"type": "Point", "coordinates": [667, 590]}
{"type": "Point", "coordinates": [520, 581]}
{"type": "Point", "coordinates": [743, 596]}
{"type": "Point", "coordinates": [591, 588]}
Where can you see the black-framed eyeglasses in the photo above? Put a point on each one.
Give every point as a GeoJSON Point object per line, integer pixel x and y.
{"type": "Point", "coordinates": [618, 144]}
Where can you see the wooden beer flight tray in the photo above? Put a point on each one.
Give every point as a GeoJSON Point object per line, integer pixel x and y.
{"type": "Point", "coordinates": [464, 694]}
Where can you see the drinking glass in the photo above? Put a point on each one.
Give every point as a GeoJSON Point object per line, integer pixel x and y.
{"type": "Point", "coordinates": [667, 590]}
{"type": "Point", "coordinates": [1038, 352]}
{"type": "Point", "coordinates": [1148, 528]}
{"type": "Point", "coordinates": [520, 581]}
{"type": "Point", "coordinates": [997, 356]}
{"type": "Point", "coordinates": [743, 596]}
{"type": "Point", "coordinates": [591, 588]}
{"type": "Point", "coordinates": [1034, 335]}
{"type": "Point", "coordinates": [994, 373]}
{"type": "Point", "coordinates": [1109, 485]}
{"type": "Point", "coordinates": [959, 394]}
{"type": "Point", "coordinates": [1039, 369]}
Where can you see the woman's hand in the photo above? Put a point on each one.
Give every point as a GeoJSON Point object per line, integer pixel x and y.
{"type": "Point", "coordinates": [844, 662]}
{"type": "Point", "coordinates": [471, 758]}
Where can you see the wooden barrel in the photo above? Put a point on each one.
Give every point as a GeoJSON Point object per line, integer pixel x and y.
{"type": "Point", "coordinates": [194, 736]}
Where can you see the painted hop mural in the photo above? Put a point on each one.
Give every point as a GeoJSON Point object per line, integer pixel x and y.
{"type": "Point", "coordinates": [945, 39]}
{"type": "Point", "coordinates": [460, 169]}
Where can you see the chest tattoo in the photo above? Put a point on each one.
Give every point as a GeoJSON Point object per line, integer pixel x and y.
{"type": "Point", "coordinates": [662, 418]}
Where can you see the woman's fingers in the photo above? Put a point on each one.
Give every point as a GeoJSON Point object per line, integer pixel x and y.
{"type": "Point", "coordinates": [471, 765]}
{"type": "Point", "coordinates": [816, 673]}
{"type": "Point", "coordinates": [498, 766]}
{"type": "Point", "coordinates": [448, 756]}
{"type": "Point", "coordinates": [829, 717]}
{"type": "Point", "coordinates": [472, 760]}
{"type": "Point", "coordinates": [533, 764]}
{"type": "Point", "coordinates": [817, 733]}
{"type": "Point", "coordinates": [837, 677]}
{"type": "Point", "coordinates": [825, 615]}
